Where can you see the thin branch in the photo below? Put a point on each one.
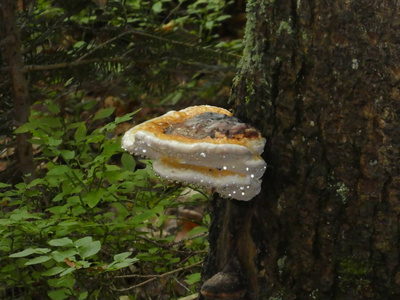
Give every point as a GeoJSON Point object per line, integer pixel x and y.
{"type": "Point", "coordinates": [30, 68]}
{"type": "Point", "coordinates": [155, 277]}
{"type": "Point", "coordinates": [188, 239]}
{"type": "Point", "coordinates": [166, 40]}
{"type": "Point", "coordinates": [169, 245]}
{"type": "Point", "coordinates": [162, 39]}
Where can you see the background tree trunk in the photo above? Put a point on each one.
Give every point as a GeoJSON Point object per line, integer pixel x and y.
{"type": "Point", "coordinates": [320, 79]}
{"type": "Point", "coordinates": [12, 53]}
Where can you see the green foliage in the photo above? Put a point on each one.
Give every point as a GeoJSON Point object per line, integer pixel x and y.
{"type": "Point", "coordinates": [162, 48]}
{"type": "Point", "coordinates": [92, 223]}
{"type": "Point", "coordinates": [88, 220]}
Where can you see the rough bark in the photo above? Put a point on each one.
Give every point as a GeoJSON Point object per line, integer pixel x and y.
{"type": "Point", "coordinates": [321, 80]}
{"type": "Point", "coordinates": [12, 54]}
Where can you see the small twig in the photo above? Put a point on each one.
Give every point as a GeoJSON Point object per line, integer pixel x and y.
{"type": "Point", "coordinates": [155, 277]}
{"type": "Point", "coordinates": [188, 239]}
{"type": "Point", "coordinates": [168, 246]}
{"type": "Point", "coordinates": [30, 68]}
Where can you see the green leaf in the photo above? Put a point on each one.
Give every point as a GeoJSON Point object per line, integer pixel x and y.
{"type": "Point", "coordinates": [90, 250]}
{"type": "Point", "coordinates": [157, 7]}
{"type": "Point", "coordinates": [122, 264]}
{"type": "Point", "coordinates": [126, 117]}
{"type": "Point", "coordinates": [128, 161]}
{"type": "Point", "coordinates": [59, 170]}
{"type": "Point", "coordinates": [80, 133]}
{"type": "Point", "coordinates": [94, 197]}
{"type": "Point", "coordinates": [60, 256]}
{"type": "Point", "coordinates": [30, 251]}
{"type": "Point", "coordinates": [61, 242]}
{"type": "Point", "coordinates": [4, 185]}
{"type": "Point", "coordinates": [79, 44]}
{"type": "Point", "coordinates": [25, 128]}
{"type": "Point", "coordinates": [67, 281]}
{"type": "Point", "coordinates": [67, 271]}
{"type": "Point", "coordinates": [197, 230]}
{"type": "Point", "coordinates": [53, 271]}
{"type": "Point", "coordinates": [104, 113]}
{"type": "Point", "coordinates": [193, 278]}
{"type": "Point", "coordinates": [58, 294]}
{"type": "Point", "coordinates": [37, 260]}
{"type": "Point", "coordinates": [122, 256]}
{"type": "Point", "coordinates": [138, 219]}
{"type": "Point", "coordinates": [67, 154]}
{"type": "Point", "coordinates": [83, 241]}
{"type": "Point", "coordinates": [83, 295]}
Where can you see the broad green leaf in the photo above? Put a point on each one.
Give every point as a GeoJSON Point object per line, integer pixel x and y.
{"type": "Point", "coordinates": [84, 295]}
{"type": "Point", "coordinates": [37, 260]}
{"type": "Point", "coordinates": [157, 7]}
{"type": "Point", "coordinates": [193, 278]}
{"type": "Point", "coordinates": [67, 154]}
{"type": "Point", "coordinates": [80, 133]}
{"type": "Point", "coordinates": [58, 197]}
{"type": "Point", "coordinates": [94, 197]}
{"type": "Point", "coordinates": [52, 107]}
{"type": "Point", "coordinates": [104, 113]}
{"type": "Point", "coordinates": [122, 264]}
{"type": "Point", "coordinates": [90, 249]}
{"type": "Point", "coordinates": [126, 117]}
{"type": "Point", "coordinates": [83, 241]}
{"type": "Point", "coordinates": [197, 230]}
{"type": "Point", "coordinates": [67, 271]}
{"type": "Point", "coordinates": [53, 271]}
{"type": "Point", "coordinates": [128, 161]}
{"type": "Point", "coordinates": [30, 251]}
{"type": "Point", "coordinates": [122, 256]}
{"type": "Point", "coordinates": [54, 142]}
{"type": "Point", "coordinates": [67, 281]}
{"type": "Point", "coordinates": [45, 122]}
{"type": "Point", "coordinates": [60, 256]}
{"type": "Point", "coordinates": [58, 294]}
{"type": "Point", "coordinates": [61, 242]}
{"type": "Point", "coordinates": [4, 185]}
{"type": "Point", "coordinates": [138, 219]}
{"type": "Point", "coordinates": [25, 128]}
{"type": "Point", "coordinates": [59, 170]}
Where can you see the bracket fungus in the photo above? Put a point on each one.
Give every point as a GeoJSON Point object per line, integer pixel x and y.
{"type": "Point", "coordinates": [205, 146]}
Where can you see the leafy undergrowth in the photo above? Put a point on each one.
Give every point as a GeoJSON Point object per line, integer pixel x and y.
{"type": "Point", "coordinates": [96, 223]}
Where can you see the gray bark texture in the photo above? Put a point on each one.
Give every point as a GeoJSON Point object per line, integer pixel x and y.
{"type": "Point", "coordinates": [320, 79]}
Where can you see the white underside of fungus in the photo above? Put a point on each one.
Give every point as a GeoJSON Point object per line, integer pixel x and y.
{"type": "Point", "coordinates": [204, 146]}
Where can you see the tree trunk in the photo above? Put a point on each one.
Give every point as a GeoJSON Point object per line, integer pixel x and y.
{"type": "Point", "coordinates": [320, 79]}
{"type": "Point", "coordinates": [12, 54]}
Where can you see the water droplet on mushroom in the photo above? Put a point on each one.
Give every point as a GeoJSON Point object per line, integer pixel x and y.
{"type": "Point", "coordinates": [224, 167]}
{"type": "Point", "coordinates": [144, 150]}
{"type": "Point", "coordinates": [252, 175]}
{"type": "Point", "coordinates": [247, 168]}
{"type": "Point", "coordinates": [203, 154]}
{"type": "Point", "coordinates": [242, 187]}
{"type": "Point", "coordinates": [242, 193]}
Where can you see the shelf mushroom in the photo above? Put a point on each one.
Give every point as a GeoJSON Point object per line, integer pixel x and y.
{"type": "Point", "coordinates": [202, 145]}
